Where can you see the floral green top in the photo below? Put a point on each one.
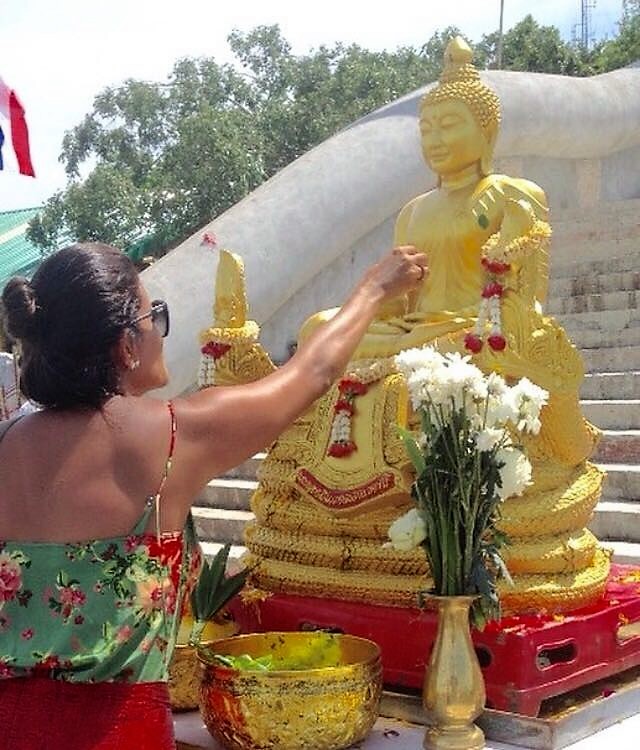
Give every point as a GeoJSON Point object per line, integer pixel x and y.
{"type": "Point", "coordinates": [103, 610]}
{"type": "Point", "coordinates": [97, 611]}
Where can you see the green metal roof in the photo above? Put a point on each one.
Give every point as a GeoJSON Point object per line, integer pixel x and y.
{"type": "Point", "coordinates": [18, 256]}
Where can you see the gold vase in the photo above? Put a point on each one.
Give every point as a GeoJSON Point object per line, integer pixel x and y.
{"type": "Point", "coordinates": [453, 695]}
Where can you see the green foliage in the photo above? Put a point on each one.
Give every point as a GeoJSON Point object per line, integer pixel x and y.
{"type": "Point", "coordinates": [456, 493]}
{"type": "Point", "coordinates": [169, 157]}
{"type": "Point", "coordinates": [625, 47]}
{"type": "Point", "coordinates": [159, 160]}
{"type": "Point", "coordinates": [213, 590]}
{"type": "Point", "coordinates": [529, 46]}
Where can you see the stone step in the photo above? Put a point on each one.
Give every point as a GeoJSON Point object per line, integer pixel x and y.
{"type": "Point", "coordinates": [624, 262]}
{"type": "Point", "coordinates": [602, 284]}
{"type": "Point", "coordinates": [228, 493]}
{"type": "Point", "coordinates": [605, 358]}
{"type": "Point", "coordinates": [579, 303]}
{"type": "Point", "coordinates": [618, 446]}
{"type": "Point", "coordinates": [211, 549]}
{"type": "Point", "coordinates": [587, 338]}
{"type": "Point", "coordinates": [618, 521]}
{"type": "Point", "coordinates": [622, 481]}
{"type": "Point", "coordinates": [247, 469]}
{"type": "Point", "coordinates": [625, 553]}
{"type": "Point", "coordinates": [609, 320]}
{"type": "Point", "coordinates": [219, 525]}
{"type": "Point", "coordinates": [611, 385]}
{"type": "Point", "coordinates": [613, 414]}
{"type": "Point", "coordinates": [627, 208]}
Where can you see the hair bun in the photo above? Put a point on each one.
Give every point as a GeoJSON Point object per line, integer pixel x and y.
{"type": "Point", "coordinates": [20, 308]}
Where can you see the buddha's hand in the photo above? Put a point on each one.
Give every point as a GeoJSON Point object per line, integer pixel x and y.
{"type": "Point", "coordinates": [399, 272]}
{"type": "Point", "coordinates": [520, 234]}
{"type": "Point", "coordinates": [518, 220]}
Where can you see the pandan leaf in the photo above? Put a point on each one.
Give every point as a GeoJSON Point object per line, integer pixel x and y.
{"type": "Point", "coordinates": [214, 589]}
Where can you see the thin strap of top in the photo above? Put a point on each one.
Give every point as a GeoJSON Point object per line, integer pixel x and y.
{"type": "Point", "coordinates": [7, 424]}
{"type": "Point", "coordinates": [153, 501]}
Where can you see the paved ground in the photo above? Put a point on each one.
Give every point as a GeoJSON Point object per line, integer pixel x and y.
{"type": "Point", "coordinates": [393, 735]}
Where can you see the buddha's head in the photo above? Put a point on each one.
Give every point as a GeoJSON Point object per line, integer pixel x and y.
{"type": "Point", "coordinates": [459, 117]}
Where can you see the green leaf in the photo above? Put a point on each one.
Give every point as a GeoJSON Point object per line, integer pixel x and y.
{"type": "Point", "coordinates": [213, 589]}
{"type": "Point", "coordinates": [413, 450]}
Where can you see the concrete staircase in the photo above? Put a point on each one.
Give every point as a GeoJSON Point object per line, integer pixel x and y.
{"type": "Point", "coordinates": [597, 303]}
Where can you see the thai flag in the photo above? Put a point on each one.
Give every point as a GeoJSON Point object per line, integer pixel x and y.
{"type": "Point", "coordinates": [14, 136]}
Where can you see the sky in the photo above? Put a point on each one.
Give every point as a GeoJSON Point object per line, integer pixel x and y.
{"type": "Point", "coordinates": [58, 54]}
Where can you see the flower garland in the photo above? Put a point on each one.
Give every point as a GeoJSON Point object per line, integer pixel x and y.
{"type": "Point", "coordinates": [489, 310]}
{"type": "Point", "coordinates": [355, 383]}
{"type": "Point", "coordinates": [216, 342]}
{"type": "Point", "coordinates": [211, 352]}
{"type": "Point", "coordinates": [495, 261]}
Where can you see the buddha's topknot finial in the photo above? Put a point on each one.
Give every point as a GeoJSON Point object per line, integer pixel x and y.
{"type": "Point", "coordinates": [457, 63]}
{"type": "Point", "coordinates": [461, 81]}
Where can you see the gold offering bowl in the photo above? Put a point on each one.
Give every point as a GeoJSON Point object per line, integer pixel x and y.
{"type": "Point", "coordinates": [185, 670]}
{"type": "Point", "coordinates": [324, 708]}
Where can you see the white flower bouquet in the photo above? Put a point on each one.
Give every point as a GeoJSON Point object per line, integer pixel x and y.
{"type": "Point", "coordinates": [466, 464]}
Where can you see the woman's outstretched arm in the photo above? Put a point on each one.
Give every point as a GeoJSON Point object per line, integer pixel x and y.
{"type": "Point", "coordinates": [222, 426]}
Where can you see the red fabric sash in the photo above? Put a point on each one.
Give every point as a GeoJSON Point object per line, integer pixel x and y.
{"type": "Point", "coordinates": [38, 713]}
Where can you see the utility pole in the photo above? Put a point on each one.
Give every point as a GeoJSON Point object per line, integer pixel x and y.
{"type": "Point", "coordinates": [585, 38]}
{"type": "Point", "coordinates": [500, 30]}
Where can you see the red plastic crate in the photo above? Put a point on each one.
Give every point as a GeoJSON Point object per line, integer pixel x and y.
{"type": "Point", "coordinates": [524, 659]}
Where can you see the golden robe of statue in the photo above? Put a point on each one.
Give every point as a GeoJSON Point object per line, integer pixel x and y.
{"type": "Point", "coordinates": [326, 498]}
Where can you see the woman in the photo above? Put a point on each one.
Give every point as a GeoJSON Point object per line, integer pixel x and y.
{"type": "Point", "coordinates": [97, 550]}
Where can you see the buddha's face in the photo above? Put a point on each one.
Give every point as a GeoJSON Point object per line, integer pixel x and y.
{"type": "Point", "coordinates": [451, 138]}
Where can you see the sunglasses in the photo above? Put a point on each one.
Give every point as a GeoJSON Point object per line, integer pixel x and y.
{"type": "Point", "coordinates": [159, 315]}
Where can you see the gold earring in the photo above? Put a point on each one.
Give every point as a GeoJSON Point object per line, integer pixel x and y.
{"type": "Point", "coordinates": [134, 364]}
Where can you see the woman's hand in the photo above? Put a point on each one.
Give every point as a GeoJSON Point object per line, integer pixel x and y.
{"type": "Point", "coordinates": [398, 272]}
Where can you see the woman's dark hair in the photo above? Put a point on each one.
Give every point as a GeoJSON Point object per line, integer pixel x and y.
{"type": "Point", "coordinates": [68, 319]}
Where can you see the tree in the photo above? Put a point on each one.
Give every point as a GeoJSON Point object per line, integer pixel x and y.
{"type": "Point", "coordinates": [171, 156]}
{"type": "Point", "coordinates": [625, 48]}
{"type": "Point", "coordinates": [541, 49]}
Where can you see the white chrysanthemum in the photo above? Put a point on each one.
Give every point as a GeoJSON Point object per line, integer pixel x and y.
{"type": "Point", "coordinates": [496, 385]}
{"type": "Point", "coordinates": [531, 393]}
{"type": "Point", "coordinates": [424, 384]}
{"type": "Point", "coordinates": [407, 532]}
{"type": "Point", "coordinates": [528, 399]}
{"type": "Point", "coordinates": [487, 439]}
{"type": "Point", "coordinates": [515, 473]}
{"type": "Point", "coordinates": [529, 424]}
{"type": "Point", "coordinates": [501, 410]}
{"type": "Point", "coordinates": [462, 370]}
{"type": "Point", "coordinates": [417, 359]}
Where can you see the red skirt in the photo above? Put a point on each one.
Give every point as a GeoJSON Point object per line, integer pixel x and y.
{"type": "Point", "coordinates": [38, 713]}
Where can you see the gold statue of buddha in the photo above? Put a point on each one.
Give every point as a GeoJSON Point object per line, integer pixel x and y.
{"type": "Point", "coordinates": [336, 479]}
